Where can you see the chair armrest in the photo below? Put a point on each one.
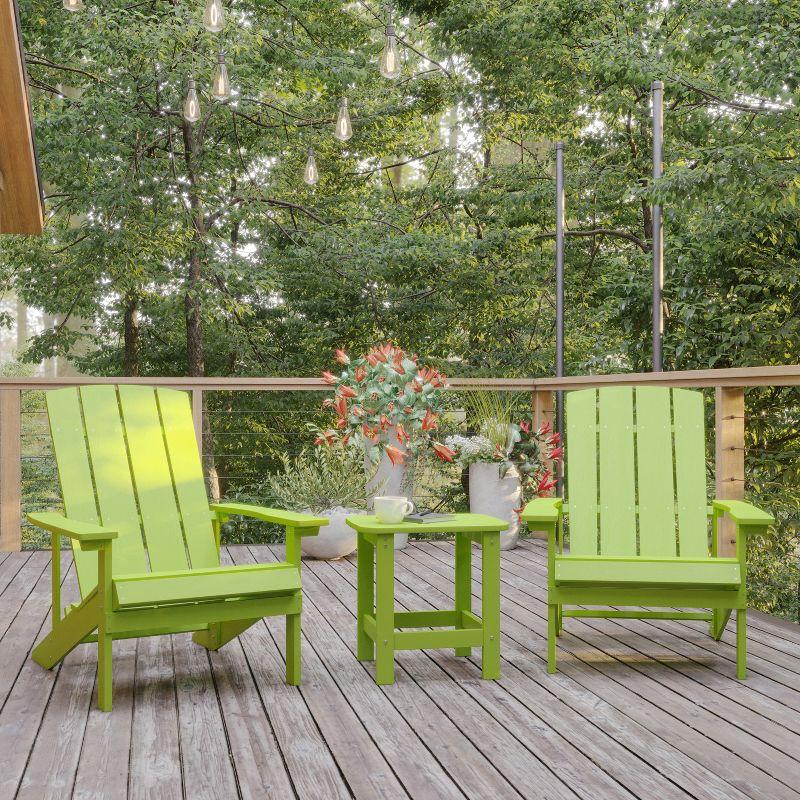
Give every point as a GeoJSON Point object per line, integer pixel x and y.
{"type": "Point", "coordinates": [543, 509]}
{"type": "Point", "coordinates": [297, 525]}
{"type": "Point", "coordinates": [743, 513]}
{"type": "Point", "coordinates": [290, 519]}
{"type": "Point", "coordinates": [87, 534]}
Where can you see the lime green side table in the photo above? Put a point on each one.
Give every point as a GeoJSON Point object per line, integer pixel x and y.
{"type": "Point", "coordinates": [382, 629]}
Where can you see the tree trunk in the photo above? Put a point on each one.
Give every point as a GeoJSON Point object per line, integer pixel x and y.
{"type": "Point", "coordinates": [209, 462]}
{"type": "Point", "coordinates": [132, 330]}
{"type": "Point", "coordinates": [195, 361]}
{"type": "Point", "coordinates": [193, 302]}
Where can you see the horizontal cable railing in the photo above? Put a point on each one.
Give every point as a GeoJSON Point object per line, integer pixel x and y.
{"type": "Point", "coordinates": [241, 434]}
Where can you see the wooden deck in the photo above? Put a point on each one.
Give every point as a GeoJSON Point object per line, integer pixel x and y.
{"type": "Point", "coordinates": [639, 709]}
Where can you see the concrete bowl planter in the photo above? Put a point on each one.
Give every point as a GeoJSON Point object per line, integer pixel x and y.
{"type": "Point", "coordinates": [334, 540]}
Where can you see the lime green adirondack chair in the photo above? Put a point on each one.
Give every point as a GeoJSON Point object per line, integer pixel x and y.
{"type": "Point", "coordinates": [144, 538]}
{"type": "Point", "coordinates": [638, 516]}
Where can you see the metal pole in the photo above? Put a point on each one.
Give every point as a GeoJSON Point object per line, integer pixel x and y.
{"type": "Point", "coordinates": [560, 293]}
{"type": "Point", "coordinates": [658, 236]}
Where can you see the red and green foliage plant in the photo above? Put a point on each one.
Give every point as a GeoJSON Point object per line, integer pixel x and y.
{"type": "Point", "coordinates": [388, 401]}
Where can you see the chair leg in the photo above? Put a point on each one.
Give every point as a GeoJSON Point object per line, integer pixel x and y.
{"type": "Point", "coordinates": [104, 645]}
{"type": "Point", "coordinates": [559, 619]}
{"type": "Point", "coordinates": [68, 633]}
{"type": "Point", "coordinates": [741, 643]}
{"type": "Point", "coordinates": [721, 617]}
{"type": "Point", "coordinates": [552, 613]}
{"type": "Point", "coordinates": [293, 630]}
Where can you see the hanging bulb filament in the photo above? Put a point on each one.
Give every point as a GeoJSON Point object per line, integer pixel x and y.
{"type": "Point", "coordinates": [191, 105]}
{"type": "Point", "coordinates": [311, 173]}
{"type": "Point", "coordinates": [344, 127]}
{"type": "Point", "coordinates": [390, 57]}
{"type": "Point", "coordinates": [221, 86]}
{"type": "Point", "coordinates": [214, 16]}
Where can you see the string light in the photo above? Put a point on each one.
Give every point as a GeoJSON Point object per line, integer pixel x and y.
{"type": "Point", "coordinates": [191, 105]}
{"type": "Point", "coordinates": [344, 127]}
{"type": "Point", "coordinates": [214, 16]}
{"type": "Point", "coordinates": [214, 22]}
{"type": "Point", "coordinates": [311, 173]}
{"type": "Point", "coordinates": [390, 57]}
{"type": "Point", "coordinates": [221, 86]}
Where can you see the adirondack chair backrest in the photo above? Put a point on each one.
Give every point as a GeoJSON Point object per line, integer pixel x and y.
{"type": "Point", "coordinates": [636, 473]}
{"type": "Point", "coordinates": [127, 458]}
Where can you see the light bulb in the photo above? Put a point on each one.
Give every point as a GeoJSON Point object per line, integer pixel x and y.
{"type": "Point", "coordinates": [221, 87]}
{"type": "Point", "coordinates": [214, 16]}
{"type": "Point", "coordinates": [311, 173]}
{"type": "Point", "coordinates": [191, 105]}
{"type": "Point", "coordinates": [73, 5]}
{"type": "Point", "coordinates": [344, 128]}
{"type": "Point", "coordinates": [390, 57]}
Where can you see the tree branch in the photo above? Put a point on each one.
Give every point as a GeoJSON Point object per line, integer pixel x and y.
{"type": "Point", "coordinates": [44, 62]}
{"type": "Point", "coordinates": [615, 234]}
{"type": "Point", "coordinates": [398, 163]}
{"type": "Point", "coordinates": [747, 108]}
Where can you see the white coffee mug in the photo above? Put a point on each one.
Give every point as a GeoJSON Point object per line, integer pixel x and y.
{"type": "Point", "coordinates": [391, 510]}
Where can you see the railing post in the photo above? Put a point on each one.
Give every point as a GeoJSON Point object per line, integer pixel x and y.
{"type": "Point", "coordinates": [197, 418]}
{"type": "Point", "coordinates": [10, 471]}
{"type": "Point", "coordinates": [729, 453]}
{"type": "Point", "coordinates": [542, 407]}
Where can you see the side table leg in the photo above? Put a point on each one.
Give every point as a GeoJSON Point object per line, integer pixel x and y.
{"type": "Point", "coordinates": [384, 610]}
{"type": "Point", "coordinates": [463, 582]}
{"type": "Point", "coordinates": [366, 596]}
{"type": "Point", "coordinates": [491, 605]}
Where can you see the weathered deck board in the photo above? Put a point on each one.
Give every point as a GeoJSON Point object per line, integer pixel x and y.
{"type": "Point", "coordinates": [639, 709]}
{"type": "Point", "coordinates": [716, 743]}
{"type": "Point", "coordinates": [689, 674]}
{"type": "Point", "coordinates": [543, 744]}
{"type": "Point", "coordinates": [336, 721]}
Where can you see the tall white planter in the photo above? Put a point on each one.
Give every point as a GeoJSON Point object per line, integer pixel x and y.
{"type": "Point", "coordinates": [389, 479]}
{"type": "Point", "coordinates": [497, 497]}
{"type": "Point", "coordinates": [334, 540]}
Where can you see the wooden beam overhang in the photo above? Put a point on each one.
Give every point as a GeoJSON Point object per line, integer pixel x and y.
{"type": "Point", "coordinates": [21, 206]}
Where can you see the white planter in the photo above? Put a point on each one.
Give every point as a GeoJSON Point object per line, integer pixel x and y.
{"type": "Point", "coordinates": [497, 497]}
{"type": "Point", "coordinates": [389, 479]}
{"type": "Point", "coordinates": [334, 540]}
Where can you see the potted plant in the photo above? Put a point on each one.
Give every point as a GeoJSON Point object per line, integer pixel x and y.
{"type": "Point", "coordinates": [508, 463]}
{"type": "Point", "coordinates": [390, 404]}
{"type": "Point", "coordinates": [326, 482]}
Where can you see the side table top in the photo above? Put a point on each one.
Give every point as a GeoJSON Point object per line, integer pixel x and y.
{"type": "Point", "coordinates": [460, 523]}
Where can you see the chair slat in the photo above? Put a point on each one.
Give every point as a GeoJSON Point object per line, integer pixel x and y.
{"type": "Point", "coordinates": [152, 479]}
{"type": "Point", "coordinates": [187, 475]}
{"type": "Point", "coordinates": [617, 479]}
{"type": "Point", "coordinates": [112, 477]}
{"type": "Point", "coordinates": [75, 474]}
{"type": "Point", "coordinates": [657, 535]}
{"type": "Point", "coordinates": [581, 463]}
{"type": "Point", "coordinates": [690, 472]}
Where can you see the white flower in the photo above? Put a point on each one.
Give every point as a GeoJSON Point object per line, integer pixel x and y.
{"type": "Point", "coordinates": [471, 449]}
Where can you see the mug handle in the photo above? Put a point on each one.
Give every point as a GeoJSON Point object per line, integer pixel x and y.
{"type": "Point", "coordinates": [410, 508]}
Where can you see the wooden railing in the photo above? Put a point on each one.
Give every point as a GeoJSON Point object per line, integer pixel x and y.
{"type": "Point", "coordinates": [729, 385]}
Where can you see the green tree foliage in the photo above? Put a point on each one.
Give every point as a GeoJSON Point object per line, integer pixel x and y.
{"type": "Point", "coordinates": [199, 249]}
